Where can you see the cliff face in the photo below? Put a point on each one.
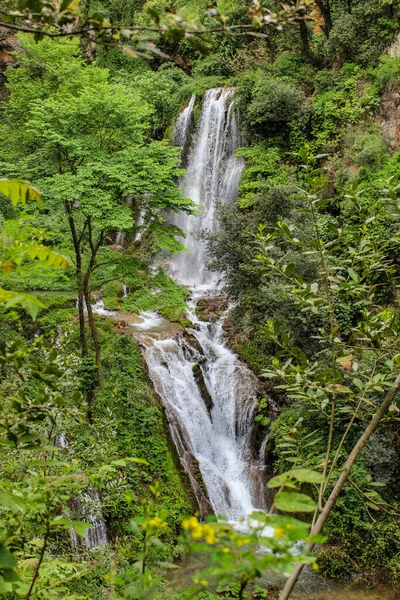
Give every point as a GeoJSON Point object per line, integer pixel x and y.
{"type": "Point", "coordinates": [8, 45]}
{"type": "Point", "coordinates": [388, 116]}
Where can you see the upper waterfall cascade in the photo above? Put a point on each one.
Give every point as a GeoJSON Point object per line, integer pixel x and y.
{"type": "Point", "coordinates": [213, 436]}
{"type": "Point", "coordinates": [212, 175]}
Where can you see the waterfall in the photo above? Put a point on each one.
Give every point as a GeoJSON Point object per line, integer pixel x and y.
{"type": "Point", "coordinates": [87, 506]}
{"type": "Point", "coordinates": [209, 395]}
{"type": "Point", "coordinates": [183, 124]}
{"type": "Point", "coordinates": [213, 173]}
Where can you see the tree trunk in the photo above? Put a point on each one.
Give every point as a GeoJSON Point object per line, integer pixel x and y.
{"type": "Point", "coordinates": [337, 488]}
{"type": "Point", "coordinates": [325, 11]}
{"type": "Point", "coordinates": [93, 329]}
{"type": "Point", "coordinates": [79, 280]}
{"type": "Point", "coordinates": [86, 290]}
{"type": "Point", "coordinates": [81, 310]}
{"type": "Point", "coordinates": [305, 42]}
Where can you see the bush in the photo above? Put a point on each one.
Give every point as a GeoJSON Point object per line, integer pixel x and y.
{"type": "Point", "coordinates": [112, 289]}
{"type": "Point", "coordinates": [269, 104]}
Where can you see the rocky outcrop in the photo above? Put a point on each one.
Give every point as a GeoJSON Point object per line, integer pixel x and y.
{"type": "Point", "coordinates": [8, 46]}
{"type": "Point", "coordinates": [211, 309]}
{"type": "Point", "coordinates": [388, 116]}
{"type": "Point", "coordinates": [201, 384]}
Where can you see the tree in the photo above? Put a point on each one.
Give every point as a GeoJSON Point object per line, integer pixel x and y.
{"type": "Point", "coordinates": [325, 9]}
{"type": "Point", "coordinates": [66, 19]}
{"type": "Point", "coordinates": [14, 251]}
{"type": "Point", "coordinates": [352, 368]}
{"type": "Point", "coordinates": [90, 154]}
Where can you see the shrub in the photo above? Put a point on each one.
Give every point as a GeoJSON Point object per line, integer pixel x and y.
{"type": "Point", "coordinates": [269, 104]}
{"type": "Point", "coordinates": [112, 289]}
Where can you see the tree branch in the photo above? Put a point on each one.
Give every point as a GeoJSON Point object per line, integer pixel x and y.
{"type": "Point", "coordinates": [37, 568]}
{"type": "Point", "coordinates": [337, 488]}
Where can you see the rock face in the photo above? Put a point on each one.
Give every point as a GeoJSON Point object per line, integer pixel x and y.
{"type": "Point", "coordinates": [8, 45]}
{"type": "Point", "coordinates": [211, 309]}
{"type": "Point", "coordinates": [201, 384]}
{"type": "Point", "coordinates": [388, 116]}
{"type": "Point", "coordinates": [394, 48]}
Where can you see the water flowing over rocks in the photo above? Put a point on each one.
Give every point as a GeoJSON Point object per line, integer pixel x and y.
{"type": "Point", "coordinates": [208, 393]}
{"type": "Point", "coordinates": [87, 507]}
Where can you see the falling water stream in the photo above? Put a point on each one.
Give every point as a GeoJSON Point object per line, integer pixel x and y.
{"type": "Point", "coordinates": [209, 395]}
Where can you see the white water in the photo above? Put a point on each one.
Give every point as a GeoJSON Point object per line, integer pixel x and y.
{"type": "Point", "coordinates": [98, 309]}
{"type": "Point", "coordinates": [150, 320]}
{"type": "Point", "coordinates": [183, 124]}
{"type": "Point", "coordinates": [87, 507]}
{"type": "Point", "coordinates": [218, 439]}
{"type": "Point", "coordinates": [215, 436]}
{"type": "Point", "coordinates": [212, 174]}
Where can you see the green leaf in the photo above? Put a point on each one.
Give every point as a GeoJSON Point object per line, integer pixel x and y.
{"type": "Point", "coordinates": [279, 480]}
{"type": "Point", "coordinates": [29, 303]}
{"type": "Point", "coordinates": [4, 586]}
{"type": "Point", "coordinates": [294, 502]}
{"type": "Point", "coordinates": [7, 560]}
{"type": "Point", "coordinates": [16, 504]}
{"type": "Point", "coordinates": [139, 461]}
{"type": "Point", "coordinates": [18, 190]}
{"type": "Point", "coordinates": [353, 275]}
{"type": "Point", "coordinates": [307, 476]}
{"type": "Point", "coordinates": [80, 527]}
{"type": "Point", "coordinates": [289, 269]}
{"type": "Point", "coordinates": [153, 14]}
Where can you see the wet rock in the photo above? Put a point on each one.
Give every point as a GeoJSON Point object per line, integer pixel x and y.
{"type": "Point", "coordinates": [211, 309]}
{"type": "Point", "coordinates": [192, 342]}
{"type": "Point", "coordinates": [201, 384]}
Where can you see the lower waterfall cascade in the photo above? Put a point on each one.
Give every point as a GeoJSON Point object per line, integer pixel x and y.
{"type": "Point", "coordinates": [208, 393]}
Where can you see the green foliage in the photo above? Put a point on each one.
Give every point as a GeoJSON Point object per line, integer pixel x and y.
{"type": "Point", "coordinates": [160, 294]}
{"type": "Point", "coordinates": [268, 104]}
{"type": "Point", "coordinates": [263, 170]}
{"type": "Point", "coordinates": [93, 137]}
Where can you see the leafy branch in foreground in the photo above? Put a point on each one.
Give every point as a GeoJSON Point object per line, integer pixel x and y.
{"type": "Point", "coordinates": [13, 251]}
{"type": "Point", "coordinates": [238, 557]}
{"type": "Point", "coordinates": [344, 380]}
{"type": "Point", "coordinates": [65, 18]}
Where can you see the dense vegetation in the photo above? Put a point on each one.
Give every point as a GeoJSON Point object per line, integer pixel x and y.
{"type": "Point", "coordinates": [316, 288]}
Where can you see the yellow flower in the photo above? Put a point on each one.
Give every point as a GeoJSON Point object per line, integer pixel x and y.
{"type": "Point", "coordinates": [204, 582]}
{"type": "Point", "coordinates": [279, 532]}
{"type": "Point", "coordinates": [155, 521]}
{"type": "Point", "coordinates": [197, 533]}
{"type": "Point", "coordinates": [190, 523]}
{"type": "Point", "coordinates": [209, 534]}
{"type": "Point", "coordinates": [225, 550]}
